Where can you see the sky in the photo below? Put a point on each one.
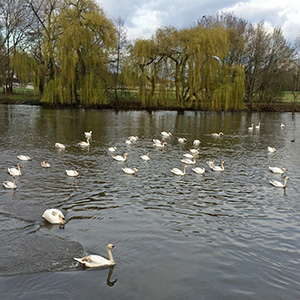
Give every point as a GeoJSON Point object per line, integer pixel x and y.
{"type": "Point", "coordinates": [143, 17]}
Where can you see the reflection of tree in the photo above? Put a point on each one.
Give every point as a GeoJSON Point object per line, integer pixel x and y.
{"type": "Point", "coordinates": [108, 281]}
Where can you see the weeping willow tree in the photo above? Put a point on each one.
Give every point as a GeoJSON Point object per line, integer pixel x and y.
{"type": "Point", "coordinates": [81, 53]}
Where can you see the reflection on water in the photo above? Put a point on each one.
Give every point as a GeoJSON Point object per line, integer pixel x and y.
{"type": "Point", "coordinates": [226, 235]}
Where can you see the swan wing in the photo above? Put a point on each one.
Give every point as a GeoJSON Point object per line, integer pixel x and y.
{"type": "Point", "coordinates": [93, 261]}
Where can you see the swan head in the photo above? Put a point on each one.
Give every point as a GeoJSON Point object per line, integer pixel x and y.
{"type": "Point", "coordinates": [126, 154]}
{"type": "Point", "coordinates": [19, 165]}
{"type": "Point", "coordinates": [110, 246]}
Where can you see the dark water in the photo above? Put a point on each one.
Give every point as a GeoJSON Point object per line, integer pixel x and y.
{"type": "Point", "coordinates": [227, 235]}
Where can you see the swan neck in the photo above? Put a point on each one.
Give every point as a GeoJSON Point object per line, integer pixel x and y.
{"type": "Point", "coordinates": [19, 169]}
{"type": "Point", "coordinates": [111, 259]}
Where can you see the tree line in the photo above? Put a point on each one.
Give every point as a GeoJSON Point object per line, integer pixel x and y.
{"type": "Point", "coordinates": [74, 55]}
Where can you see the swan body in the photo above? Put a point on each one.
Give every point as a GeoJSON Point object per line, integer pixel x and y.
{"type": "Point", "coordinates": [84, 144]}
{"type": "Point", "coordinates": [88, 134]}
{"type": "Point", "coordinates": [60, 146]}
{"type": "Point", "coordinates": [189, 161]}
{"type": "Point", "coordinates": [112, 149]}
{"type": "Point", "coordinates": [129, 171]}
{"type": "Point", "coordinates": [120, 157]}
{"type": "Point", "coordinates": [166, 134]}
{"type": "Point", "coordinates": [281, 125]}
{"type": "Point", "coordinates": [162, 145]}
{"type": "Point", "coordinates": [218, 168]}
{"type": "Point", "coordinates": [72, 173]}
{"type": "Point", "coordinates": [279, 184]}
{"type": "Point", "coordinates": [10, 185]}
{"type": "Point", "coordinates": [177, 171]}
{"type": "Point", "coordinates": [194, 151]}
{"type": "Point", "coordinates": [251, 127]}
{"type": "Point", "coordinates": [54, 216]}
{"type": "Point", "coordinates": [217, 134]}
{"type": "Point", "coordinates": [189, 155]}
{"type": "Point", "coordinates": [199, 170]}
{"type": "Point", "coordinates": [277, 170]}
{"type": "Point", "coordinates": [271, 149]}
{"type": "Point", "coordinates": [133, 138]}
{"type": "Point", "coordinates": [258, 126]}
{"type": "Point", "coordinates": [145, 157]}
{"type": "Point", "coordinates": [181, 140]}
{"type": "Point", "coordinates": [196, 142]}
{"type": "Point", "coordinates": [128, 142]}
{"type": "Point", "coordinates": [45, 164]}
{"type": "Point", "coordinates": [156, 141]}
{"type": "Point", "coordinates": [23, 157]}
{"type": "Point", "coordinates": [96, 261]}
{"type": "Point", "coordinates": [14, 171]}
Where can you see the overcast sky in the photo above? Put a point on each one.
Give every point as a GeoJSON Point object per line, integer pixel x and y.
{"type": "Point", "coordinates": [143, 17]}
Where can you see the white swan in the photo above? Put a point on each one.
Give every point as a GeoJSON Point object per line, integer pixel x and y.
{"type": "Point", "coordinates": [10, 185]}
{"type": "Point", "coordinates": [128, 142]}
{"type": "Point", "coordinates": [129, 171]}
{"type": "Point", "coordinates": [189, 155]}
{"type": "Point", "coordinates": [54, 216]}
{"type": "Point", "coordinates": [212, 165]}
{"type": "Point", "coordinates": [88, 134]}
{"type": "Point", "coordinates": [215, 134]}
{"type": "Point", "coordinates": [281, 125]}
{"type": "Point", "coordinates": [271, 149]}
{"type": "Point", "coordinates": [196, 142]}
{"type": "Point", "coordinates": [72, 173]}
{"type": "Point", "coordinates": [177, 171]}
{"type": "Point", "coordinates": [279, 184]}
{"type": "Point", "coordinates": [96, 261]}
{"type": "Point", "coordinates": [133, 138]}
{"type": "Point", "coordinates": [194, 151]}
{"type": "Point", "coordinates": [189, 161]}
{"type": "Point", "coordinates": [120, 157]}
{"type": "Point", "coordinates": [23, 157]}
{"type": "Point", "coordinates": [112, 149]}
{"type": "Point", "coordinates": [251, 127]}
{"type": "Point", "coordinates": [60, 146]}
{"type": "Point", "coordinates": [45, 164]}
{"type": "Point", "coordinates": [277, 170]}
{"type": "Point", "coordinates": [181, 140]}
{"type": "Point", "coordinates": [15, 171]}
{"type": "Point", "coordinates": [162, 145]}
{"type": "Point", "coordinates": [258, 126]}
{"type": "Point", "coordinates": [166, 134]}
{"type": "Point", "coordinates": [199, 170]}
{"type": "Point", "coordinates": [156, 141]}
{"type": "Point", "coordinates": [84, 144]}
{"type": "Point", "coordinates": [145, 157]}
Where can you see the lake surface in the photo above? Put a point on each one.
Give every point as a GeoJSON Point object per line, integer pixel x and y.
{"type": "Point", "coordinates": [221, 235]}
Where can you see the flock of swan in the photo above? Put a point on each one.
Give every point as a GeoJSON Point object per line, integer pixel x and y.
{"type": "Point", "coordinates": [55, 216]}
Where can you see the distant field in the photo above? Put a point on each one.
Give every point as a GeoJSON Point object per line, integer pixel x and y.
{"type": "Point", "coordinates": [288, 97]}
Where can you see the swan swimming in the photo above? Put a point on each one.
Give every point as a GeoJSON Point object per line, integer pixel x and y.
{"type": "Point", "coordinates": [181, 140]}
{"type": "Point", "coordinates": [60, 146]}
{"type": "Point", "coordinates": [279, 184]}
{"type": "Point", "coordinates": [215, 134]}
{"type": "Point", "coordinates": [10, 185]}
{"type": "Point", "coordinates": [54, 216]}
{"type": "Point", "coordinates": [145, 157]}
{"type": "Point", "coordinates": [166, 134]}
{"type": "Point", "coordinates": [189, 161]}
{"type": "Point", "coordinates": [258, 126]}
{"type": "Point", "coordinates": [196, 142]}
{"type": "Point", "coordinates": [112, 149]}
{"type": "Point", "coordinates": [24, 157]}
{"type": "Point", "coordinates": [271, 149]}
{"type": "Point", "coordinates": [129, 171]}
{"type": "Point", "coordinates": [45, 164]}
{"type": "Point", "coordinates": [14, 171]}
{"type": "Point", "coordinates": [277, 170]}
{"type": "Point", "coordinates": [177, 171]}
{"type": "Point", "coordinates": [199, 170]}
{"type": "Point", "coordinates": [72, 173]}
{"type": "Point", "coordinates": [96, 261]}
{"type": "Point", "coordinates": [120, 157]}
{"type": "Point", "coordinates": [84, 144]}
{"type": "Point", "coordinates": [251, 127]}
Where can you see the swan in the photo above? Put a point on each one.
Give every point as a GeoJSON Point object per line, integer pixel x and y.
{"type": "Point", "coordinates": [162, 145]}
{"type": "Point", "coordinates": [60, 146]}
{"type": "Point", "coordinates": [277, 170]}
{"type": "Point", "coordinates": [72, 173]}
{"type": "Point", "coordinates": [23, 157]}
{"type": "Point", "coordinates": [258, 126]}
{"type": "Point", "coordinates": [199, 170]}
{"type": "Point", "coordinates": [279, 184]}
{"type": "Point", "coordinates": [282, 125]}
{"type": "Point", "coordinates": [156, 141]}
{"type": "Point", "coordinates": [84, 144]}
{"type": "Point", "coordinates": [176, 171]}
{"type": "Point", "coordinates": [129, 171]}
{"type": "Point", "coordinates": [54, 216]}
{"type": "Point", "coordinates": [128, 142]}
{"type": "Point", "coordinates": [181, 140]}
{"type": "Point", "coordinates": [14, 171]}
{"type": "Point", "coordinates": [210, 163]}
{"type": "Point", "coordinates": [271, 149]}
{"type": "Point", "coordinates": [88, 134]}
{"type": "Point", "coordinates": [45, 164]}
{"type": "Point", "coordinates": [166, 134]}
{"type": "Point", "coordinates": [251, 127]}
{"type": "Point", "coordinates": [189, 155]}
{"type": "Point", "coordinates": [189, 161]}
{"type": "Point", "coordinates": [133, 138]}
{"type": "Point", "coordinates": [112, 149]}
{"type": "Point", "coordinates": [218, 168]}
{"type": "Point", "coordinates": [10, 185]}
{"type": "Point", "coordinates": [96, 261]}
{"type": "Point", "coordinates": [217, 134]}
{"type": "Point", "coordinates": [196, 142]}
{"type": "Point", "coordinates": [194, 151]}
{"type": "Point", "coordinates": [120, 157]}
{"type": "Point", "coordinates": [145, 157]}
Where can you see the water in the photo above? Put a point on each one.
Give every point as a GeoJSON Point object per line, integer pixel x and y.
{"type": "Point", "coordinates": [227, 235]}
